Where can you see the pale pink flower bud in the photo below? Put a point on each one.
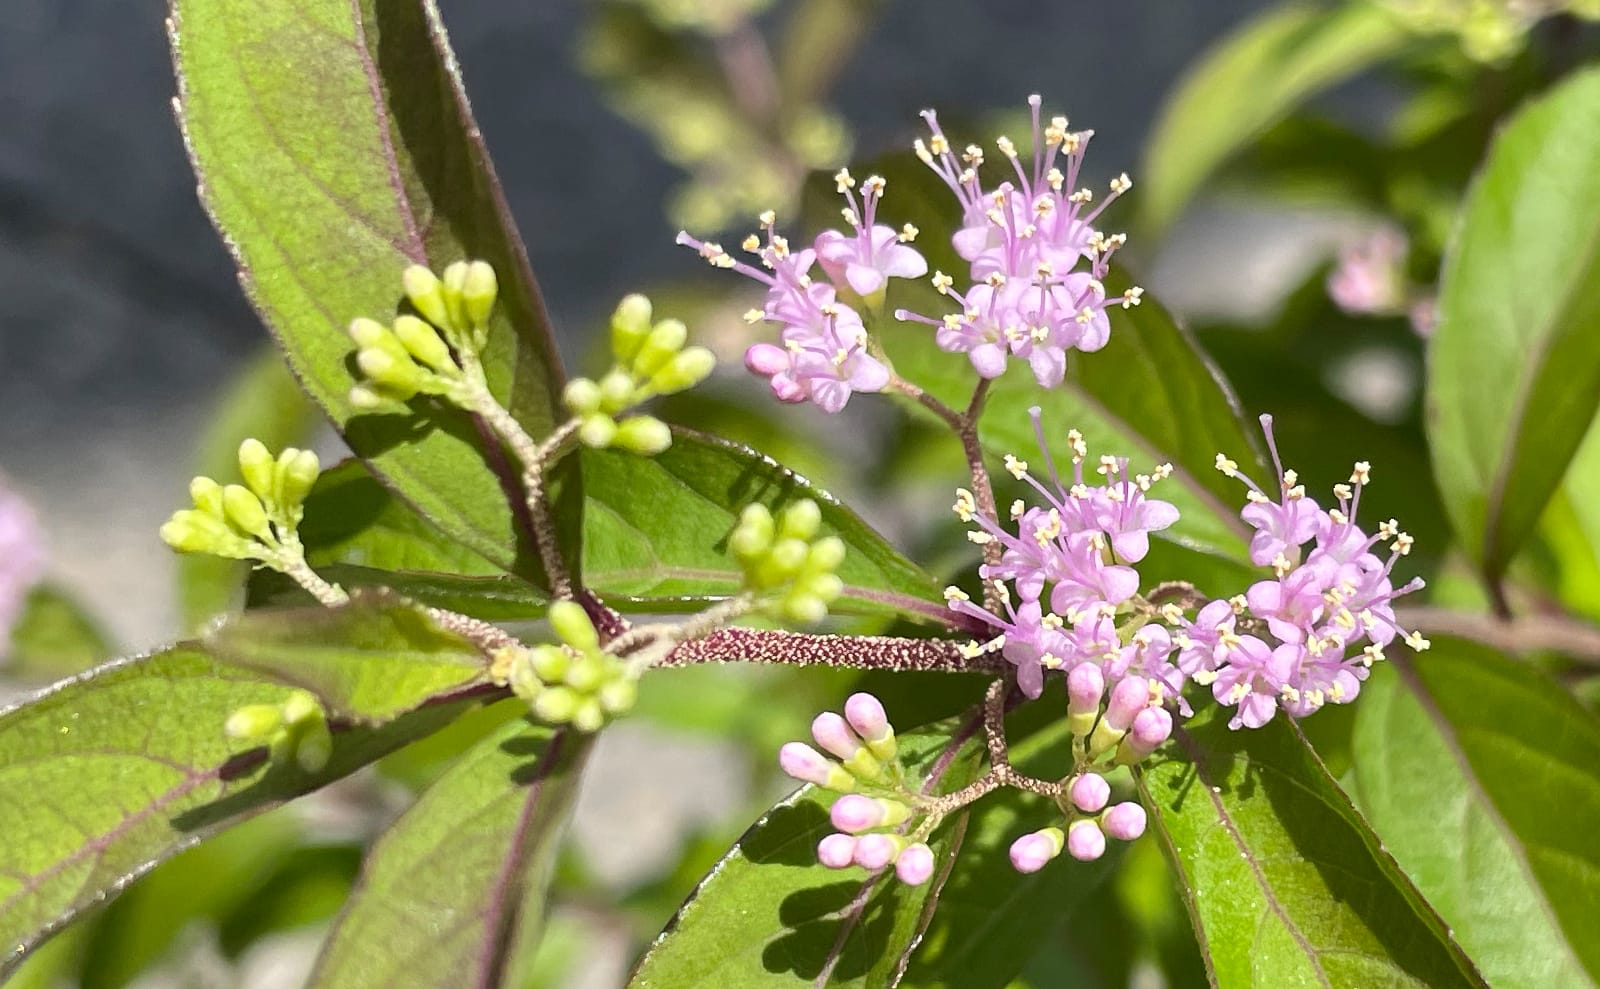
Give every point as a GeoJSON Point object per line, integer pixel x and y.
{"type": "Point", "coordinates": [915, 865]}
{"type": "Point", "coordinates": [1033, 852]}
{"type": "Point", "coordinates": [866, 715]}
{"type": "Point", "coordinates": [853, 813]}
{"type": "Point", "coordinates": [1124, 822]}
{"type": "Point", "coordinates": [1085, 841]}
{"type": "Point", "coordinates": [1151, 727]}
{"type": "Point", "coordinates": [837, 851]}
{"type": "Point", "coordinates": [1130, 696]}
{"type": "Point", "coordinates": [835, 736]}
{"type": "Point", "coordinates": [875, 851]}
{"type": "Point", "coordinates": [1090, 792]}
{"type": "Point", "coordinates": [804, 763]}
{"type": "Point", "coordinates": [766, 359]}
{"type": "Point", "coordinates": [1085, 686]}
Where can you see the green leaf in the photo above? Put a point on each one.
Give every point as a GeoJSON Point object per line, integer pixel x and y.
{"type": "Point", "coordinates": [357, 534]}
{"type": "Point", "coordinates": [334, 146]}
{"type": "Point", "coordinates": [656, 530]}
{"type": "Point", "coordinates": [264, 401]}
{"type": "Point", "coordinates": [1569, 532]}
{"type": "Point", "coordinates": [1247, 82]}
{"type": "Point", "coordinates": [368, 662]}
{"type": "Point", "coordinates": [1514, 377]}
{"type": "Point", "coordinates": [1286, 884]}
{"type": "Point", "coordinates": [770, 915]}
{"type": "Point", "coordinates": [120, 768]}
{"type": "Point", "coordinates": [457, 884]}
{"type": "Point", "coordinates": [1483, 778]}
{"type": "Point", "coordinates": [54, 636]}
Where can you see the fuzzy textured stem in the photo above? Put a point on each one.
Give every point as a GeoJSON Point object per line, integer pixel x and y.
{"type": "Point", "coordinates": [745, 645]}
{"type": "Point", "coordinates": [485, 636]}
{"type": "Point", "coordinates": [291, 562]}
{"type": "Point", "coordinates": [654, 642]}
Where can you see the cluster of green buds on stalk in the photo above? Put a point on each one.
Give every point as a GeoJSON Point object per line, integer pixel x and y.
{"type": "Point", "coordinates": [650, 360]}
{"type": "Point", "coordinates": [294, 731]}
{"type": "Point", "coordinates": [437, 354]}
{"type": "Point", "coordinates": [573, 681]}
{"type": "Point", "coordinates": [785, 562]}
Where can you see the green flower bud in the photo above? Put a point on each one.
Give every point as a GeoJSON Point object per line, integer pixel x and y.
{"type": "Point", "coordinates": [550, 662]}
{"type": "Point", "coordinates": [663, 343]}
{"type": "Point", "coordinates": [479, 289]}
{"type": "Point", "coordinates": [190, 531]}
{"type": "Point", "coordinates": [207, 495]}
{"type": "Point", "coordinates": [753, 536]}
{"type": "Point", "coordinates": [863, 765]}
{"type": "Point", "coordinates": [556, 705]}
{"type": "Point", "coordinates": [424, 343]}
{"type": "Point", "coordinates": [302, 708]}
{"type": "Point", "coordinates": [257, 467]}
{"type": "Point", "coordinates": [253, 722]}
{"type": "Point", "coordinates": [245, 512]}
{"type": "Point", "coordinates": [589, 716]}
{"type": "Point", "coordinates": [454, 282]}
{"type": "Point", "coordinates": [800, 520]}
{"type": "Point", "coordinates": [630, 324]}
{"type": "Point", "coordinates": [313, 747]}
{"type": "Point", "coordinates": [297, 473]}
{"type": "Point", "coordinates": [572, 624]}
{"type": "Point", "coordinates": [588, 672]}
{"type": "Point", "coordinates": [617, 391]}
{"type": "Point", "coordinates": [825, 555]}
{"type": "Point", "coordinates": [644, 435]}
{"type": "Point", "coordinates": [684, 371]}
{"type": "Point", "coordinates": [582, 396]}
{"type": "Point", "coordinates": [597, 431]}
{"type": "Point", "coordinates": [368, 332]}
{"type": "Point", "coordinates": [619, 695]}
{"type": "Point", "coordinates": [781, 563]}
{"type": "Point", "coordinates": [524, 680]}
{"type": "Point", "coordinates": [366, 399]}
{"type": "Point", "coordinates": [826, 586]}
{"type": "Point", "coordinates": [803, 608]}
{"type": "Point", "coordinates": [426, 294]}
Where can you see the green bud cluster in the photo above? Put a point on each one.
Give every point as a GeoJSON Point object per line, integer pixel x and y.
{"type": "Point", "coordinates": [432, 355]}
{"type": "Point", "coordinates": [784, 560]}
{"type": "Point", "coordinates": [571, 682]}
{"type": "Point", "coordinates": [651, 359]}
{"type": "Point", "coordinates": [255, 520]}
{"type": "Point", "coordinates": [295, 731]}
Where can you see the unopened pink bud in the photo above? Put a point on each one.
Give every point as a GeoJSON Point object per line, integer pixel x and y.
{"type": "Point", "coordinates": [875, 851]}
{"type": "Point", "coordinates": [1033, 852]}
{"type": "Point", "coordinates": [766, 359]}
{"type": "Point", "coordinates": [866, 715]}
{"type": "Point", "coordinates": [1130, 696]}
{"type": "Point", "coordinates": [1151, 727]}
{"type": "Point", "coordinates": [915, 865]}
{"type": "Point", "coordinates": [1085, 841]}
{"type": "Point", "coordinates": [1124, 822]}
{"type": "Point", "coordinates": [835, 736]}
{"type": "Point", "coordinates": [804, 763]}
{"type": "Point", "coordinates": [1090, 792]}
{"type": "Point", "coordinates": [1085, 686]}
{"type": "Point", "coordinates": [853, 813]}
{"type": "Point", "coordinates": [837, 851]}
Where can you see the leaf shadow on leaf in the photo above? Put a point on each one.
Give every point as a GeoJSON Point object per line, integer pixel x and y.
{"type": "Point", "coordinates": [353, 747]}
{"type": "Point", "coordinates": [816, 917]}
{"type": "Point", "coordinates": [777, 841]}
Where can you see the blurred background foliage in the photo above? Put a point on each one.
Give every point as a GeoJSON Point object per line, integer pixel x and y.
{"type": "Point", "coordinates": [1301, 170]}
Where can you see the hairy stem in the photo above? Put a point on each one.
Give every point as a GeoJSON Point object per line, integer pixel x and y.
{"type": "Point", "coordinates": [747, 645]}
{"type": "Point", "coordinates": [290, 561]}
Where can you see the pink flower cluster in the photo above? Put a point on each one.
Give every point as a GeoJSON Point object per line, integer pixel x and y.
{"type": "Point", "coordinates": [874, 808]}
{"type": "Point", "coordinates": [1069, 562]}
{"type": "Point", "coordinates": [21, 558]}
{"type": "Point", "coordinates": [1036, 259]}
{"type": "Point", "coordinates": [824, 357]}
{"type": "Point", "coordinates": [1301, 639]}
{"type": "Point", "coordinates": [1324, 617]}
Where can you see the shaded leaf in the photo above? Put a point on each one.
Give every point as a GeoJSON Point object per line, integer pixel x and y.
{"type": "Point", "coordinates": [770, 915]}
{"type": "Point", "coordinates": [1248, 81]}
{"type": "Point", "coordinates": [1285, 883]}
{"type": "Point", "coordinates": [53, 636]}
{"type": "Point", "coordinates": [334, 146]}
{"type": "Point", "coordinates": [128, 764]}
{"type": "Point", "coordinates": [1459, 753]}
{"type": "Point", "coordinates": [368, 661]}
{"type": "Point", "coordinates": [1514, 375]}
{"type": "Point", "coordinates": [457, 883]}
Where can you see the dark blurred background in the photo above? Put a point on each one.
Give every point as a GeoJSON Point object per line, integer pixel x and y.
{"type": "Point", "coordinates": [119, 315]}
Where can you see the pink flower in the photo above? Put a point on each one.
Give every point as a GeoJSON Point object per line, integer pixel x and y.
{"type": "Point", "coordinates": [1253, 678]}
{"type": "Point", "coordinates": [867, 257]}
{"type": "Point", "coordinates": [22, 558]}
